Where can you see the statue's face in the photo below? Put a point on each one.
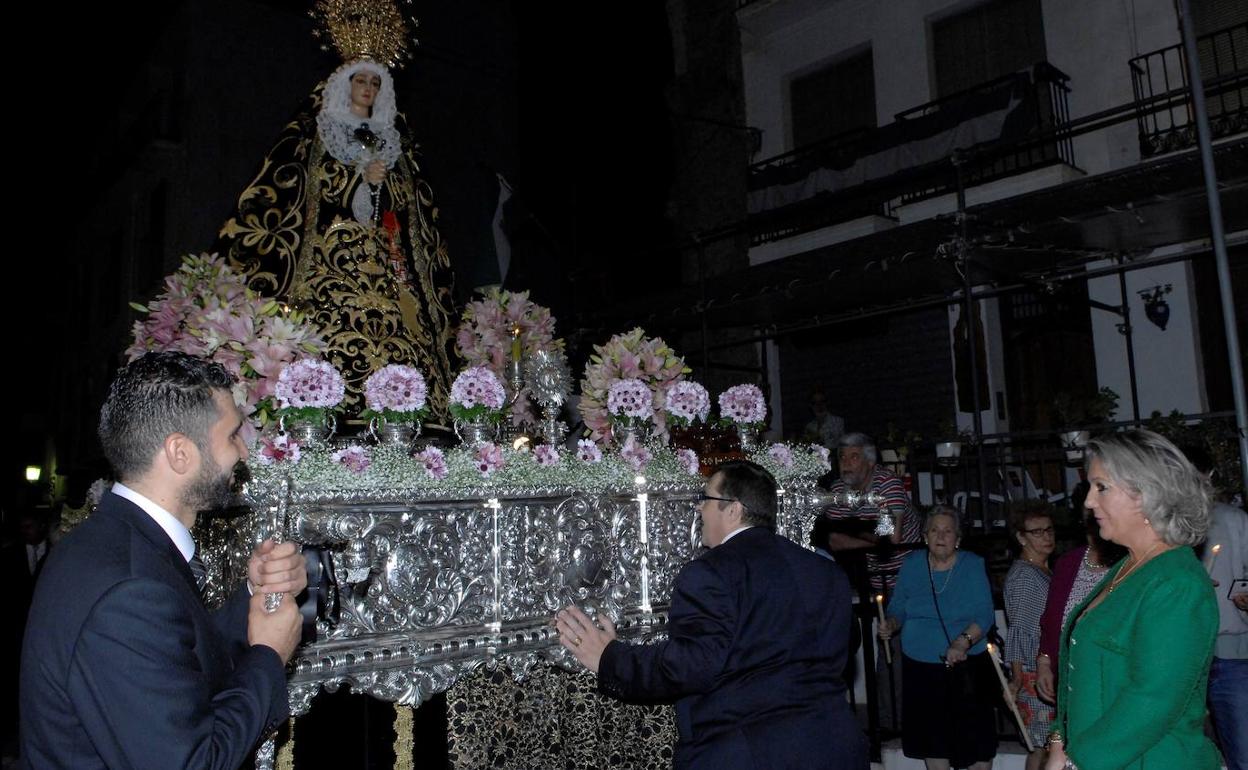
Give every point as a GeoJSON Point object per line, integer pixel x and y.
{"type": "Point", "coordinates": [364, 88]}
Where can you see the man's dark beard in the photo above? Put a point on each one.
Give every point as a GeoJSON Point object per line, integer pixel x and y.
{"type": "Point", "coordinates": [212, 489]}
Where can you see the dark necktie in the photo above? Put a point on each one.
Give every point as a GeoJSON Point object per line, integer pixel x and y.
{"type": "Point", "coordinates": [199, 571]}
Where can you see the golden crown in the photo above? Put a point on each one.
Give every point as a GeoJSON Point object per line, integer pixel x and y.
{"type": "Point", "coordinates": [374, 29]}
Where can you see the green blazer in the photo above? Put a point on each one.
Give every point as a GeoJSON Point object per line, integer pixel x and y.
{"type": "Point", "coordinates": [1135, 670]}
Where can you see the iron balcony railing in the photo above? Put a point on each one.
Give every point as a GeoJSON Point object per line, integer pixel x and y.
{"type": "Point", "coordinates": [872, 170]}
{"type": "Point", "coordinates": [1160, 82]}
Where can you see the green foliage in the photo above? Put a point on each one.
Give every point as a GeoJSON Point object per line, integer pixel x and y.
{"type": "Point", "coordinates": [1078, 411]}
{"type": "Point", "coordinates": [895, 437]}
{"type": "Point", "coordinates": [1216, 436]}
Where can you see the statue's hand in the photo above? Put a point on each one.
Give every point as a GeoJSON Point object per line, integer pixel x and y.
{"type": "Point", "coordinates": [374, 172]}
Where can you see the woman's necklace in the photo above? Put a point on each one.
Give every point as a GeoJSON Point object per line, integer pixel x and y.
{"type": "Point", "coordinates": [1041, 564]}
{"type": "Point", "coordinates": [1122, 575]}
{"type": "Point", "coordinates": [1093, 566]}
{"type": "Point", "coordinates": [948, 577]}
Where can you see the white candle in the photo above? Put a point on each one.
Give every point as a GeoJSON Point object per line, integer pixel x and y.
{"type": "Point", "coordinates": [888, 652]}
{"type": "Point", "coordinates": [1005, 693]}
{"type": "Point", "coordinates": [1213, 559]}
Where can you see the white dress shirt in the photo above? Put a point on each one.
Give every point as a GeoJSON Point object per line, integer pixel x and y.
{"type": "Point", "coordinates": [733, 533]}
{"type": "Point", "coordinates": [34, 553]}
{"type": "Point", "coordinates": [178, 533]}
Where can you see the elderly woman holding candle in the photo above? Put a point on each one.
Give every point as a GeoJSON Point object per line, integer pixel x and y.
{"type": "Point", "coordinates": [1134, 658]}
{"type": "Point", "coordinates": [943, 607]}
{"type": "Point", "coordinates": [1026, 589]}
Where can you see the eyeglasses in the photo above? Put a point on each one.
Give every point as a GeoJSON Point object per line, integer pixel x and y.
{"type": "Point", "coordinates": [1041, 531]}
{"type": "Point", "coordinates": [703, 497]}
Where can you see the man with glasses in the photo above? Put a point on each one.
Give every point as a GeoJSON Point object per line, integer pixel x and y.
{"type": "Point", "coordinates": [756, 646]}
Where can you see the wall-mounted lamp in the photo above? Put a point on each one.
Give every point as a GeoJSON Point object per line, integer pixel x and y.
{"type": "Point", "coordinates": [33, 473]}
{"type": "Point", "coordinates": [1156, 309]}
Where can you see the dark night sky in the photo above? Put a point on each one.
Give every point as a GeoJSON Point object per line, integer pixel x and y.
{"type": "Point", "coordinates": [590, 156]}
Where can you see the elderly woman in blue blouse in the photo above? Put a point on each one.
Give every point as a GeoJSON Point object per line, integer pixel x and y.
{"type": "Point", "coordinates": [943, 607]}
{"type": "Point", "coordinates": [1134, 659]}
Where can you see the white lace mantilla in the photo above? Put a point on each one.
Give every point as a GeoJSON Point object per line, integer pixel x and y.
{"type": "Point", "coordinates": [338, 136]}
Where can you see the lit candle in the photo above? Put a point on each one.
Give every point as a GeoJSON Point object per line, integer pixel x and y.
{"type": "Point", "coordinates": [515, 343]}
{"type": "Point", "coordinates": [888, 652]}
{"type": "Point", "coordinates": [1213, 559]}
{"type": "Point", "coordinates": [1005, 693]}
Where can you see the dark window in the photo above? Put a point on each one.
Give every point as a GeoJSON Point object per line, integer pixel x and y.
{"type": "Point", "coordinates": [1048, 351]}
{"type": "Point", "coordinates": [1208, 303]}
{"type": "Point", "coordinates": [986, 42]}
{"type": "Point", "coordinates": [832, 100]}
{"type": "Point", "coordinates": [1213, 15]}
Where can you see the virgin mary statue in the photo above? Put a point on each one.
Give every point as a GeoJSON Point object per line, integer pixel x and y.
{"type": "Point", "coordinates": [338, 223]}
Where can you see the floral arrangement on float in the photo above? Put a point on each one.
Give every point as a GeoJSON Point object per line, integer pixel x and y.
{"type": "Point", "coordinates": [631, 356]}
{"type": "Point", "coordinates": [480, 465]}
{"type": "Point", "coordinates": [477, 399]}
{"type": "Point", "coordinates": [503, 327]}
{"type": "Point", "coordinates": [688, 404]}
{"type": "Point", "coordinates": [396, 393]}
{"type": "Point", "coordinates": [206, 309]}
{"type": "Point", "coordinates": [743, 407]}
{"type": "Point", "coordinates": [307, 393]}
{"type": "Point", "coordinates": [396, 402]}
{"type": "Point", "coordinates": [472, 470]}
{"type": "Point", "coordinates": [789, 461]}
{"type": "Point", "coordinates": [630, 409]}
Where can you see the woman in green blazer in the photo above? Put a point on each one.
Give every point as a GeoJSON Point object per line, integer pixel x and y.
{"type": "Point", "coordinates": [1135, 654]}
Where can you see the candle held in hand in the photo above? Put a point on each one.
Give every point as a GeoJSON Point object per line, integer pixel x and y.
{"type": "Point", "coordinates": [888, 650]}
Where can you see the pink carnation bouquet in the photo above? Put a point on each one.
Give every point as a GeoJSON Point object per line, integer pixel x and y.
{"type": "Point", "coordinates": [630, 402]}
{"type": "Point", "coordinates": [396, 393]}
{"type": "Point", "coordinates": [687, 403]}
{"type": "Point", "coordinates": [743, 406]}
{"type": "Point", "coordinates": [477, 394]}
{"type": "Point", "coordinates": [308, 388]}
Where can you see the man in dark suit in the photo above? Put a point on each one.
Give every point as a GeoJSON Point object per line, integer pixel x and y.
{"type": "Point", "coordinates": [756, 643]}
{"type": "Point", "coordinates": [123, 666]}
{"type": "Point", "coordinates": [20, 564]}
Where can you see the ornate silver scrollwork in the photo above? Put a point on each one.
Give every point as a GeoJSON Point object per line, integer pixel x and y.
{"type": "Point", "coordinates": [429, 590]}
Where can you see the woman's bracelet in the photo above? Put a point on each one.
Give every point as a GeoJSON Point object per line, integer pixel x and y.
{"type": "Point", "coordinates": [970, 642]}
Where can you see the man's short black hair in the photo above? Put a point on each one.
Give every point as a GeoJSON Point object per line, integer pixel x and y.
{"type": "Point", "coordinates": [153, 396]}
{"type": "Point", "coordinates": [752, 486]}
